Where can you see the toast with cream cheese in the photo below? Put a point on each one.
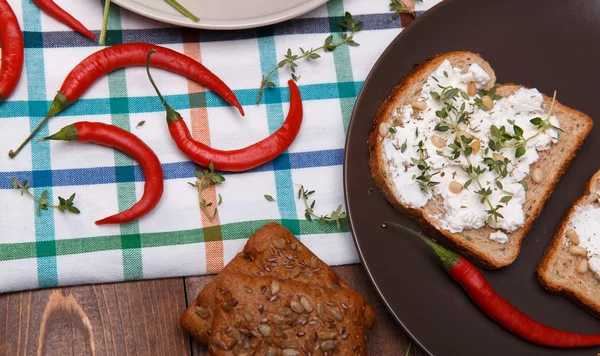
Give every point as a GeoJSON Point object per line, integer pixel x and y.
{"type": "Point", "coordinates": [571, 264]}
{"type": "Point", "coordinates": [472, 161]}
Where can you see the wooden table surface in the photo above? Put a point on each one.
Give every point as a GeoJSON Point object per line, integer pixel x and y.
{"type": "Point", "coordinates": [140, 318]}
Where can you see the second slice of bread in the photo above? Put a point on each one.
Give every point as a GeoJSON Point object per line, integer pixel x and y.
{"type": "Point", "coordinates": [557, 269]}
{"type": "Point", "coordinates": [478, 247]}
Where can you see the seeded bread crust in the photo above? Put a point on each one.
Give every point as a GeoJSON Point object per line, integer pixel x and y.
{"type": "Point", "coordinates": [271, 316]}
{"type": "Point", "coordinates": [272, 251]}
{"type": "Point", "coordinates": [475, 243]}
{"type": "Point", "coordinates": [557, 269]}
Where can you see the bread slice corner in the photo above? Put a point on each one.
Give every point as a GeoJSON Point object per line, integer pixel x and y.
{"type": "Point", "coordinates": [475, 243]}
{"type": "Point", "coordinates": [557, 269]}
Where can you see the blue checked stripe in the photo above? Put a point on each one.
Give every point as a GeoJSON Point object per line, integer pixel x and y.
{"type": "Point", "coordinates": [275, 116]}
{"type": "Point", "coordinates": [343, 66]}
{"type": "Point", "coordinates": [68, 39]}
{"type": "Point", "coordinates": [146, 104]}
{"type": "Point", "coordinates": [178, 170]}
{"type": "Point", "coordinates": [36, 89]}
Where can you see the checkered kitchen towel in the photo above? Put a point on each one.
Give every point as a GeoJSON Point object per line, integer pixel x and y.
{"type": "Point", "coordinates": [176, 239]}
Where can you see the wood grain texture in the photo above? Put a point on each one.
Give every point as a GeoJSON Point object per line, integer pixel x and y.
{"type": "Point", "coordinates": [140, 318]}
{"type": "Point", "coordinates": [386, 338]}
{"type": "Point", "coordinates": [133, 318]}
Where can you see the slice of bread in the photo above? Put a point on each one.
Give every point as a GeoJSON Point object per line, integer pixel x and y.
{"type": "Point", "coordinates": [475, 243]}
{"type": "Point", "coordinates": [557, 271]}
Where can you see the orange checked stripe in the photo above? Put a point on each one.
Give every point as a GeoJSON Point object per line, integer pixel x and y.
{"type": "Point", "coordinates": [200, 131]}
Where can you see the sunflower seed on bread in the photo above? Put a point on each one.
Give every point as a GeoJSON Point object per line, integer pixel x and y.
{"type": "Point", "coordinates": [488, 247]}
{"type": "Point", "coordinates": [275, 247]}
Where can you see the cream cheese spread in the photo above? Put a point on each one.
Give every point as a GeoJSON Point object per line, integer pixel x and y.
{"type": "Point", "coordinates": [586, 223]}
{"type": "Point", "coordinates": [445, 150]}
{"type": "Point", "coordinates": [499, 236]}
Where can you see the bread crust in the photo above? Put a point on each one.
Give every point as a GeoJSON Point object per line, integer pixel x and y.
{"type": "Point", "coordinates": [551, 264]}
{"type": "Point", "coordinates": [479, 250]}
{"type": "Point", "coordinates": [250, 262]}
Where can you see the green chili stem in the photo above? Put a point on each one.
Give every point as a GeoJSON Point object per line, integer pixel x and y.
{"type": "Point", "coordinates": [183, 10]}
{"type": "Point", "coordinates": [104, 22]}
{"type": "Point", "coordinates": [447, 257]}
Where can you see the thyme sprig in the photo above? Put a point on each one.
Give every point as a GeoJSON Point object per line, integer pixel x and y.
{"type": "Point", "coordinates": [336, 216]}
{"type": "Point", "coordinates": [424, 179]}
{"type": "Point", "coordinates": [291, 59]}
{"type": "Point", "coordinates": [462, 145]}
{"type": "Point", "coordinates": [207, 178]}
{"type": "Point", "coordinates": [451, 118]}
{"type": "Point", "coordinates": [42, 202]}
{"type": "Point", "coordinates": [500, 138]}
{"type": "Point", "coordinates": [491, 93]}
{"type": "Point", "coordinates": [399, 7]}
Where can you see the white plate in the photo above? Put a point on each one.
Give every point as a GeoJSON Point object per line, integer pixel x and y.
{"type": "Point", "coordinates": [223, 14]}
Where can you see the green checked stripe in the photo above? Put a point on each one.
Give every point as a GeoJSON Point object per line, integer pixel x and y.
{"type": "Point", "coordinates": [130, 241]}
{"type": "Point", "coordinates": [45, 248]}
{"type": "Point", "coordinates": [343, 65]}
{"type": "Point", "coordinates": [272, 98]}
{"type": "Point", "coordinates": [233, 231]}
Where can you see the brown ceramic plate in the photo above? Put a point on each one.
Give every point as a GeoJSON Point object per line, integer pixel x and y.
{"type": "Point", "coordinates": [545, 44]}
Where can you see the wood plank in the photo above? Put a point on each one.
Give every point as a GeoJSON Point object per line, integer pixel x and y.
{"type": "Point", "coordinates": [133, 318]}
{"type": "Point", "coordinates": [386, 338]}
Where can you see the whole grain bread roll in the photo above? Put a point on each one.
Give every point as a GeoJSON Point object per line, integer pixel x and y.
{"type": "Point", "coordinates": [271, 252]}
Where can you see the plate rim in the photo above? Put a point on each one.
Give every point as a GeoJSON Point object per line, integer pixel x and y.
{"type": "Point", "coordinates": [353, 118]}
{"type": "Point", "coordinates": [294, 12]}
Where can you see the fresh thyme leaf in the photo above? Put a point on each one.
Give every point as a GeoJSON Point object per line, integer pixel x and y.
{"type": "Point", "coordinates": [520, 151]}
{"type": "Point", "coordinates": [348, 23]}
{"type": "Point", "coordinates": [207, 178]}
{"type": "Point", "coordinates": [404, 146]}
{"type": "Point", "coordinates": [140, 124]}
{"type": "Point", "coordinates": [524, 184]}
{"type": "Point", "coordinates": [336, 216]}
{"type": "Point", "coordinates": [370, 191]}
{"type": "Point", "coordinates": [518, 131]}
{"type": "Point", "coordinates": [269, 198]}
{"type": "Point", "coordinates": [42, 202]}
{"type": "Point", "coordinates": [399, 7]}
{"type": "Point", "coordinates": [505, 199]}
{"type": "Point", "coordinates": [441, 128]}
{"type": "Point", "coordinates": [536, 121]}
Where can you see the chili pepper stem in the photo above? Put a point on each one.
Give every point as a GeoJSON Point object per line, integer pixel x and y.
{"type": "Point", "coordinates": [183, 10]}
{"type": "Point", "coordinates": [59, 104]}
{"type": "Point", "coordinates": [104, 22]}
{"type": "Point", "coordinates": [172, 115]}
{"type": "Point", "coordinates": [67, 133]}
{"type": "Point", "coordinates": [447, 257]}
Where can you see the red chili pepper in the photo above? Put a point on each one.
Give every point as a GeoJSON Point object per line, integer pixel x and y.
{"type": "Point", "coordinates": [113, 136]}
{"type": "Point", "coordinates": [496, 307]}
{"type": "Point", "coordinates": [50, 8]}
{"type": "Point", "coordinates": [11, 39]}
{"type": "Point", "coordinates": [129, 55]}
{"type": "Point", "coordinates": [241, 159]}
